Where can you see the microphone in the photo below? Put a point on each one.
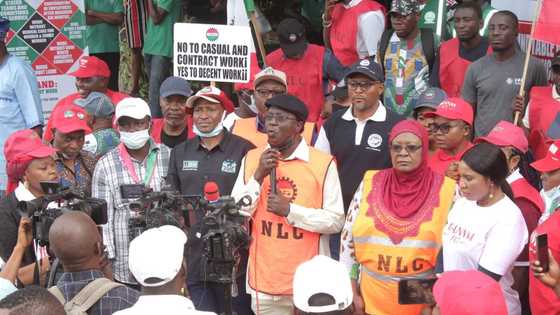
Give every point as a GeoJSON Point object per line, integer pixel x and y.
{"type": "Point", "coordinates": [211, 192]}
{"type": "Point", "coordinates": [273, 181]}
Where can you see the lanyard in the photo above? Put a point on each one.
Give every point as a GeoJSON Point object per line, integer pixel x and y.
{"type": "Point", "coordinates": [150, 165]}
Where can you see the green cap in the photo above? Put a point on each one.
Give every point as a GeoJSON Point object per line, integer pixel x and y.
{"type": "Point", "coordinates": [405, 7]}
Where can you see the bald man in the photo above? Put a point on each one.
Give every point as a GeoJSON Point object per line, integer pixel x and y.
{"type": "Point", "coordinates": [75, 240]}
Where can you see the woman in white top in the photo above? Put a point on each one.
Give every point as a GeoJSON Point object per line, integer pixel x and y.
{"type": "Point", "coordinates": [485, 229]}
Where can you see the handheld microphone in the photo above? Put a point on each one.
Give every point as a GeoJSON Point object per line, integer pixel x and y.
{"type": "Point", "coordinates": [211, 192]}
{"type": "Point", "coordinates": [273, 181]}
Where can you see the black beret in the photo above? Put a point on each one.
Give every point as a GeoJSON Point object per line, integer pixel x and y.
{"type": "Point", "coordinates": [290, 104]}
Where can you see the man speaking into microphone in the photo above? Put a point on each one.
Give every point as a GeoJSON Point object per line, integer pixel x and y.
{"type": "Point", "coordinates": [291, 225]}
{"type": "Point", "coordinates": [214, 155]}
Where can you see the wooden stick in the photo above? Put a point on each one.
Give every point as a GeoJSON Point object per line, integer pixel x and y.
{"type": "Point", "coordinates": [527, 58]}
{"type": "Point", "coordinates": [259, 38]}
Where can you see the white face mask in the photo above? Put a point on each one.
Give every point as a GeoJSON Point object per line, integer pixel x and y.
{"type": "Point", "coordinates": [253, 105]}
{"type": "Point", "coordinates": [135, 140]}
{"type": "Point", "coordinates": [216, 131]}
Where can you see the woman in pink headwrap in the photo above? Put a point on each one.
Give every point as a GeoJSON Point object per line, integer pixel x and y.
{"type": "Point", "coordinates": [394, 224]}
{"type": "Point", "coordinates": [28, 163]}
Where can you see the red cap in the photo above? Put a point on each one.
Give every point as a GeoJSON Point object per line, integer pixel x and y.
{"type": "Point", "coordinates": [551, 161]}
{"type": "Point", "coordinates": [70, 118]}
{"type": "Point", "coordinates": [506, 134]}
{"type": "Point", "coordinates": [91, 66]}
{"type": "Point", "coordinates": [469, 293]}
{"type": "Point", "coordinates": [454, 108]}
{"type": "Point", "coordinates": [213, 95]}
{"type": "Point", "coordinates": [26, 143]}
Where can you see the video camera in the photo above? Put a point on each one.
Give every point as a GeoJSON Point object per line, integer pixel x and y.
{"type": "Point", "coordinates": [225, 234]}
{"type": "Point", "coordinates": [153, 209]}
{"type": "Point", "coordinates": [43, 213]}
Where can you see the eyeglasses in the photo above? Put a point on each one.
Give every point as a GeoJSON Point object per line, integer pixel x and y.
{"type": "Point", "coordinates": [444, 128]}
{"type": "Point", "coordinates": [277, 117]}
{"type": "Point", "coordinates": [364, 85]}
{"type": "Point", "coordinates": [409, 148]}
{"type": "Point", "coordinates": [266, 92]}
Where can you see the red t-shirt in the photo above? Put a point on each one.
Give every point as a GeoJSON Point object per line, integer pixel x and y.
{"type": "Point", "coordinates": [543, 299]}
{"type": "Point", "coordinates": [439, 161]}
{"type": "Point", "coordinates": [115, 97]}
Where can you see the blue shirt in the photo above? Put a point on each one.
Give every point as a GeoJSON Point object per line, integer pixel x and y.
{"type": "Point", "coordinates": [20, 104]}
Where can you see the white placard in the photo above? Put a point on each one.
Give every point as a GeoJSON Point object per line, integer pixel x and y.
{"type": "Point", "coordinates": [205, 52]}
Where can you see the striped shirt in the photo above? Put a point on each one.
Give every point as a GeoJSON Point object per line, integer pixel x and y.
{"type": "Point", "coordinates": [110, 173]}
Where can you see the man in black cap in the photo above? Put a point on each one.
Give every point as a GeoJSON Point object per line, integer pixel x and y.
{"type": "Point", "coordinates": [292, 219]}
{"type": "Point", "coordinates": [367, 122]}
{"type": "Point", "coordinates": [427, 103]}
{"type": "Point", "coordinates": [176, 124]}
{"type": "Point", "coordinates": [308, 67]}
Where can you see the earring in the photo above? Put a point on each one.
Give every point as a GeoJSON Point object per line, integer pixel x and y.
{"type": "Point", "coordinates": [491, 195]}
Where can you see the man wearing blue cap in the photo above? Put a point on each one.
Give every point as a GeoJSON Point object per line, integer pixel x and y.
{"type": "Point", "coordinates": [20, 104]}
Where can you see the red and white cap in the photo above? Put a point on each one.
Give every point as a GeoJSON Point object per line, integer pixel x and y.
{"type": "Point", "coordinates": [454, 108]}
{"type": "Point", "coordinates": [506, 134]}
{"type": "Point", "coordinates": [70, 118]}
{"type": "Point", "coordinates": [213, 95]}
{"type": "Point", "coordinates": [551, 161]}
{"type": "Point", "coordinates": [91, 66]}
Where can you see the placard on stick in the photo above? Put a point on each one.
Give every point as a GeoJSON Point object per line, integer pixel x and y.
{"type": "Point", "coordinates": [204, 52]}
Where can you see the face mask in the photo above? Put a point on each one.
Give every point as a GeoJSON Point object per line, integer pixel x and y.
{"type": "Point", "coordinates": [216, 131]}
{"type": "Point", "coordinates": [135, 140]}
{"type": "Point", "coordinates": [550, 194]}
{"type": "Point", "coordinates": [253, 105]}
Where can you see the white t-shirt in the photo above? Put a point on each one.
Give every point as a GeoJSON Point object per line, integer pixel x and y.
{"type": "Point", "coordinates": [491, 237]}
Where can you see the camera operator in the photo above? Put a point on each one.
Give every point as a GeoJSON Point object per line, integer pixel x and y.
{"type": "Point", "coordinates": [292, 220]}
{"type": "Point", "coordinates": [213, 155]}
{"type": "Point", "coordinates": [135, 164]}
{"type": "Point", "coordinates": [28, 163]}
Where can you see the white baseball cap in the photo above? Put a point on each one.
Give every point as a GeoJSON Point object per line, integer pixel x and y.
{"type": "Point", "coordinates": [325, 275]}
{"type": "Point", "coordinates": [133, 107]}
{"type": "Point", "coordinates": [271, 74]}
{"type": "Point", "coordinates": [157, 254]}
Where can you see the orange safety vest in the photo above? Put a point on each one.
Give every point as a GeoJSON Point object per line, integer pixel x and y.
{"type": "Point", "coordinates": [384, 263]}
{"type": "Point", "coordinates": [247, 128]}
{"type": "Point", "coordinates": [279, 247]}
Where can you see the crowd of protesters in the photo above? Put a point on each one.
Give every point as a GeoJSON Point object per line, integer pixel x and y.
{"type": "Point", "coordinates": [377, 154]}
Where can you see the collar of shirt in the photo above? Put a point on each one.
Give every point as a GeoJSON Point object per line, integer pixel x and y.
{"type": "Point", "coordinates": [221, 146]}
{"type": "Point", "coordinates": [352, 4]}
{"type": "Point", "coordinates": [80, 276]}
{"type": "Point", "coordinates": [515, 175]}
{"type": "Point", "coordinates": [301, 152]}
{"type": "Point", "coordinates": [153, 146]}
{"type": "Point", "coordinates": [380, 114]}
{"type": "Point", "coordinates": [23, 194]}
{"type": "Point", "coordinates": [555, 94]}
{"type": "Point", "coordinates": [442, 156]}
{"type": "Point", "coordinates": [177, 301]}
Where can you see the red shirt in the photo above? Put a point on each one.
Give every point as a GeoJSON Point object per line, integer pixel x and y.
{"type": "Point", "coordinates": [440, 161]}
{"type": "Point", "coordinates": [115, 97]}
{"type": "Point", "coordinates": [543, 299]}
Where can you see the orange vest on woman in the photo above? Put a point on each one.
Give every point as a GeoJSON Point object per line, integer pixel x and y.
{"type": "Point", "coordinates": [247, 128]}
{"type": "Point", "coordinates": [277, 247]}
{"type": "Point", "coordinates": [384, 263]}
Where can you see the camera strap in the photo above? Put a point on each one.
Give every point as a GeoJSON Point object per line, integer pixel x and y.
{"type": "Point", "coordinates": [150, 165]}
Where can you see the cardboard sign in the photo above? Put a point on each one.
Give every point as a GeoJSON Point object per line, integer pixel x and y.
{"type": "Point", "coordinates": [204, 52]}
